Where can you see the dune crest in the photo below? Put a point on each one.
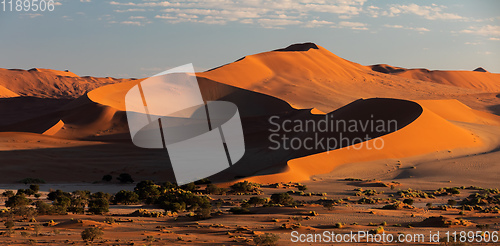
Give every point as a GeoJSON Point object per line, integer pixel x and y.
{"type": "Point", "coordinates": [47, 83]}
{"type": "Point", "coordinates": [427, 134]}
{"type": "Point", "coordinates": [484, 81]}
{"type": "Point", "coordinates": [308, 77]}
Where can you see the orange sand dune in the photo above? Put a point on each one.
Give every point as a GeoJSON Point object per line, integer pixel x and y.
{"type": "Point", "coordinates": [477, 80]}
{"type": "Point", "coordinates": [456, 111]}
{"type": "Point", "coordinates": [429, 133]}
{"type": "Point", "coordinates": [4, 92]}
{"type": "Point", "coordinates": [306, 76]}
{"type": "Point", "coordinates": [49, 83]}
{"type": "Point", "coordinates": [316, 78]}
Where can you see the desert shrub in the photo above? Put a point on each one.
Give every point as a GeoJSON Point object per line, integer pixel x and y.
{"type": "Point", "coordinates": [79, 201]}
{"type": "Point", "coordinates": [365, 200]}
{"type": "Point", "coordinates": [98, 206]}
{"type": "Point", "coordinates": [8, 193]}
{"type": "Point", "coordinates": [126, 197]}
{"type": "Point", "coordinates": [175, 199]}
{"type": "Point", "coordinates": [447, 191]}
{"type": "Point", "coordinates": [190, 187]}
{"type": "Point", "coordinates": [43, 208]}
{"type": "Point", "coordinates": [245, 187]}
{"type": "Point", "coordinates": [61, 204]}
{"type": "Point", "coordinates": [107, 178]}
{"type": "Point", "coordinates": [398, 205]}
{"type": "Point", "coordinates": [91, 234]}
{"type": "Point", "coordinates": [452, 202]}
{"type": "Point", "coordinates": [410, 193]}
{"type": "Point", "coordinates": [379, 230]}
{"type": "Point", "coordinates": [100, 194]}
{"type": "Point", "coordinates": [214, 190]}
{"type": "Point", "coordinates": [203, 212]}
{"type": "Point", "coordinates": [302, 187]}
{"type": "Point", "coordinates": [32, 181]}
{"type": "Point", "coordinates": [255, 200]}
{"type": "Point", "coordinates": [125, 178]}
{"type": "Point", "coordinates": [202, 181]}
{"type": "Point", "coordinates": [35, 188]}
{"type": "Point", "coordinates": [408, 201]}
{"type": "Point", "coordinates": [368, 192]}
{"type": "Point", "coordinates": [17, 201]}
{"type": "Point", "coordinates": [53, 195]}
{"type": "Point", "coordinates": [267, 239]}
{"type": "Point", "coordinates": [148, 191]}
{"type": "Point", "coordinates": [9, 224]}
{"type": "Point", "coordinates": [281, 198]}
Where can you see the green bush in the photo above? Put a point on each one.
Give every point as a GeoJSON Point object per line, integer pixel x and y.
{"type": "Point", "coordinates": [267, 239]}
{"type": "Point", "coordinates": [282, 198]}
{"type": "Point", "coordinates": [32, 181]}
{"type": "Point", "coordinates": [91, 234]}
{"type": "Point", "coordinates": [126, 197]}
{"type": "Point", "coordinates": [125, 178]}
{"type": "Point", "coordinates": [255, 200]}
{"type": "Point", "coordinates": [408, 201]}
{"type": "Point", "coordinates": [245, 187]}
{"type": "Point", "coordinates": [107, 178]}
{"type": "Point", "coordinates": [98, 206]}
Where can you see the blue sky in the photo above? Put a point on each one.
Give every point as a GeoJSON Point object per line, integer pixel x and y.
{"type": "Point", "coordinates": [124, 38]}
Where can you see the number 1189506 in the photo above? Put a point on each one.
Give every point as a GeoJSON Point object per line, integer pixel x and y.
{"type": "Point", "coordinates": [27, 5]}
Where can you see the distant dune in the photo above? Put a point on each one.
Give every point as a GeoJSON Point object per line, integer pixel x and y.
{"type": "Point", "coordinates": [49, 83]}
{"type": "Point", "coordinates": [63, 127]}
{"type": "Point", "coordinates": [479, 79]}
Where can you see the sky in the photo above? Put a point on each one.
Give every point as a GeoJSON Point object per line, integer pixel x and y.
{"type": "Point", "coordinates": [125, 38]}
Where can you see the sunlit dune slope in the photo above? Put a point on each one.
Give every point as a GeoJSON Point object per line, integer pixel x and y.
{"type": "Point", "coordinates": [47, 83]}
{"type": "Point", "coordinates": [316, 78]}
{"type": "Point", "coordinates": [478, 80]}
{"type": "Point", "coordinates": [428, 133]}
{"type": "Point", "coordinates": [4, 92]}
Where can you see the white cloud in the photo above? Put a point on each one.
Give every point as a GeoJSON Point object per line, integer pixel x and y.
{"type": "Point", "coordinates": [418, 29]}
{"type": "Point", "coordinates": [394, 26]}
{"type": "Point", "coordinates": [353, 25]}
{"type": "Point", "coordinates": [494, 39]}
{"type": "Point", "coordinates": [267, 13]}
{"type": "Point", "coordinates": [472, 43]}
{"type": "Point", "coordinates": [85, 1]}
{"type": "Point", "coordinates": [137, 17]}
{"type": "Point", "coordinates": [128, 10]}
{"type": "Point", "coordinates": [432, 12]}
{"type": "Point", "coordinates": [32, 15]}
{"type": "Point", "coordinates": [318, 23]}
{"type": "Point", "coordinates": [487, 30]}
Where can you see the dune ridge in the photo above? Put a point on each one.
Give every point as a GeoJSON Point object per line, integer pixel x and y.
{"type": "Point", "coordinates": [317, 78]}
{"type": "Point", "coordinates": [48, 83]}
{"type": "Point", "coordinates": [479, 79]}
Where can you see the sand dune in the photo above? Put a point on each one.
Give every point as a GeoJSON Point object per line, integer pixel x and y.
{"type": "Point", "coordinates": [427, 134]}
{"type": "Point", "coordinates": [480, 80]}
{"type": "Point", "coordinates": [316, 78]}
{"type": "Point", "coordinates": [4, 92]}
{"type": "Point", "coordinates": [49, 83]}
{"type": "Point", "coordinates": [300, 82]}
